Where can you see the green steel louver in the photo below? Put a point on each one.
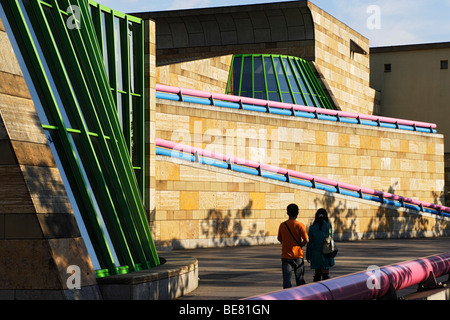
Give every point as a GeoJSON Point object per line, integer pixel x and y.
{"type": "Point", "coordinates": [276, 78]}
{"type": "Point", "coordinates": [86, 65]}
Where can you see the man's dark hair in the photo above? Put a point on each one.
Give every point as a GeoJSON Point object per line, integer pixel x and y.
{"type": "Point", "coordinates": [292, 210]}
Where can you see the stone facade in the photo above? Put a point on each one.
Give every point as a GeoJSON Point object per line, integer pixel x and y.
{"type": "Point", "coordinates": [210, 75]}
{"type": "Point", "coordinates": [204, 206]}
{"type": "Point", "coordinates": [200, 206]}
{"type": "Point", "coordinates": [346, 71]}
{"type": "Point", "coordinates": [397, 161]}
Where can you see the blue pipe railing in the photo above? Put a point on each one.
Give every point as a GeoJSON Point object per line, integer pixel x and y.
{"type": "Point", "coordinates": [279, 108]}
{"type": "Point", "coordinates": [175, 150]}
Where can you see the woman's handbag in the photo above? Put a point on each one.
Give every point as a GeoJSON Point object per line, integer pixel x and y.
{"type": "Point", "coordinates": [329, 248]}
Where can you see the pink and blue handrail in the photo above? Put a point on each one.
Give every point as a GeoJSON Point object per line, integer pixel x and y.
{"type": "Point", "coordinates": [273, 107]}
{"type": "Point", "coordinates": [189, 153]}
{"type": "Point", "coordinates": [372, 284]}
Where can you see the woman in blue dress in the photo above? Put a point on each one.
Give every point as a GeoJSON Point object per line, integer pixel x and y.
{"type": "Point", "coordinates": [318, 231]}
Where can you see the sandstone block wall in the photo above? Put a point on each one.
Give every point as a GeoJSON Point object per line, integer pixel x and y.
{"type": "Point", "coordinates": [347, 73]}
{"type": "Point", "coordinates": [401, 162]}
{"type": "Point", "coordinates": [202, 206]}
{"type": "Point", "coordinates": [210, 75]}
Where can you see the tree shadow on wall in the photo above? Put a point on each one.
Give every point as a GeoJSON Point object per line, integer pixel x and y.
{"type": "Point", "coordinates": [230, 227]}
{"type": "Point", "coordinates": [42, 192]}
{"type": "Point", "coordinates": [441, 224]}
{"type": "Point", "coordinates": [390, 222]}
{"type": "Point", "coordinates": [387, 222]}
{"type": "Point", "coordinates": [343, 217]}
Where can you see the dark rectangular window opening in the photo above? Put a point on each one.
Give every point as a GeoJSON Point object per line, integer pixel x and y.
{"type": "Point", "coordinates": [444, 64]}
{"type": "Point", "coordinates": [387, 67]}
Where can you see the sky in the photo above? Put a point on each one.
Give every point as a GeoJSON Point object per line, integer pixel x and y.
{"type": "Point", "coordinates": [384, 22]}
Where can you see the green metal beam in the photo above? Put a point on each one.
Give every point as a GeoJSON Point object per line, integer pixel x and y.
{"type": "Point", "coordinates": [72, 102]}
{"type": "Point", "coordinates": [95, 143]}
{"type": "Point", "coordinates": [119, 149]}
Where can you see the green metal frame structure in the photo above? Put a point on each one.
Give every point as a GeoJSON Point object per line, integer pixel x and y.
{"type": "Point", "coordinates": [126, 75]}
{"type": "Point", "coordinates": [276, 78]}
{"type": "Point", "coordinates": [93, 112]}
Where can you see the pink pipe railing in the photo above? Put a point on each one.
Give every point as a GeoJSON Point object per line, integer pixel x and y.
{"type": "Point", "coordinates": [274, 104]}
{"type": "Point", "coordinates": [287, 106]}
{"type": "Point", "coordinates": [273, 169]}
{"type": "Point", "coordinates": [368, 285]}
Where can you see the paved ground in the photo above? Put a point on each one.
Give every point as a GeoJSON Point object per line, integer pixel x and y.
{"type": "Point", "coordinates": [241, 272]}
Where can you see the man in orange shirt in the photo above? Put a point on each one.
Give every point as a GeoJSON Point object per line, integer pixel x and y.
{"type": "Point", "coordinates": [293, 236]}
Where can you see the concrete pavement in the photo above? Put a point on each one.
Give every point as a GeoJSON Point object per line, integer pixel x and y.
{"type": "Point", "coordinates": [240, 272]}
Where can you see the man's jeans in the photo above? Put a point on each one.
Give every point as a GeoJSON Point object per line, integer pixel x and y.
{"type": "Point", "coordinates": [296, 265]}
